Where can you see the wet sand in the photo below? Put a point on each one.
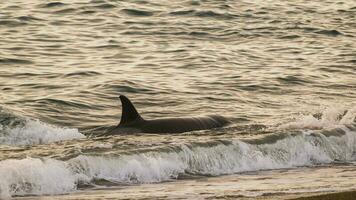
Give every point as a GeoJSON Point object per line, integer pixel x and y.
{"type": "Point", "coordinates": [312, 184]}
{"type": "Point", "coordinates": [349, 195]}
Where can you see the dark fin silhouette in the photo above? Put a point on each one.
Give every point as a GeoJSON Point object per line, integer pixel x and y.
{"type": "Point", "coordinates": [129, 112]}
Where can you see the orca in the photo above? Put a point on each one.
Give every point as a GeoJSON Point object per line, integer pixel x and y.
{"type": "Point", "coordinates": [132, 122]}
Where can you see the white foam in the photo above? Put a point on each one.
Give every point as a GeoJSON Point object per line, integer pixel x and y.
{"type": "Point", "coordinates": [35, 176]}
{"type": "Point", "coordinates": [293, 150]}
{"type": "Point", "coordinates": [103, 145]}
{"type": "Point", "coordinates": [36, 132]}
{"type": "Point", "coordinates": [331, 117]}
{"type": "Point", "coordinates": [49, 176]}
{"type": "Point", "coordinates": [138, 168]}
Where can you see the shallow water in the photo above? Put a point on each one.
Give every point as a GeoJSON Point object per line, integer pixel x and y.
{"type": "Point", "coordinates": [241, 186]}
{"type": "Point", "coordinates": [283, 72]}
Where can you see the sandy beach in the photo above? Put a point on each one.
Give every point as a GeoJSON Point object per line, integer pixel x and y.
{"type": "Point", "coordinates": [349, 195]}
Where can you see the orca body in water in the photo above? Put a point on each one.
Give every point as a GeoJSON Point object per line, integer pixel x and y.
{"type": "Point", "coordinates": [132, 122]}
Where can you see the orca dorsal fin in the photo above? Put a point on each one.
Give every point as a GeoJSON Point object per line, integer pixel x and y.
{"type": "Point", "coordinates": [129, 112]}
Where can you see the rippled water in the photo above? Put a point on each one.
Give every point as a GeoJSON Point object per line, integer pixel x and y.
{"type": "Point", "coordinates": [281, 71]}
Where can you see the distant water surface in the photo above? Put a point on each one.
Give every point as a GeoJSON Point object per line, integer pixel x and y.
{"type": "Point", "coordinates": [284, 73]}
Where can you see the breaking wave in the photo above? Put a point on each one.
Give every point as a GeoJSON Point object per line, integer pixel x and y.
{"type": "Point", "coordinates": [331, 117]}
{"type": "Point", "coordinates": [284, 150]}
{"type": "Point", "coordinates": [16, 130]}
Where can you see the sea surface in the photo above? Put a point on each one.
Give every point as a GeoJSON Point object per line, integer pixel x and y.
{"type": "Point", "coordinates": [283, 72]}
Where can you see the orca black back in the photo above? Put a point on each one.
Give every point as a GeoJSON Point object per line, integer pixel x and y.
{"type": "Point", "coordinates": [132, 122]}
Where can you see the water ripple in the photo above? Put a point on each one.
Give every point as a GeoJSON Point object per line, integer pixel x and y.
{"type": "Point", "coordinates": [53, 4]}
{"type": "Point", "coordinates": [245, 60]}
{"type": "Point", "coordinates": [138, 13]}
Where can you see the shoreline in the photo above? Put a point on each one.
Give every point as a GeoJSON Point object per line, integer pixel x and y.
{"type": "Point", "coordinates": [346, 195]}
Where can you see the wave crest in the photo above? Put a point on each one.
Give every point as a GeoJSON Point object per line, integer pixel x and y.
{"type": "Point", "coordinates": [15, 130]}
{"type": "Point", "coordinates": [331, 117]}
{"type": "Point", "coordinates": [50, 176]}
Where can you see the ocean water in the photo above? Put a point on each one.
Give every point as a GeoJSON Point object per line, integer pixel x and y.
{"type": "Point", "coordinates": [283, 72]}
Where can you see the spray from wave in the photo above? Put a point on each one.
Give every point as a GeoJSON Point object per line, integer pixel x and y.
{"type": "Point", "coordinates": [286, 150]}
{"type": "Point", "coordinates": [35, 176]}
{"type": "Point", "coordinates": [331, 117]}
{"type": "Point", "coordinates": [17, 130]}
{"type": "Point", "coordinates": [296, 144]}
{"type": "Point", "coordinates": [36, 132]}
